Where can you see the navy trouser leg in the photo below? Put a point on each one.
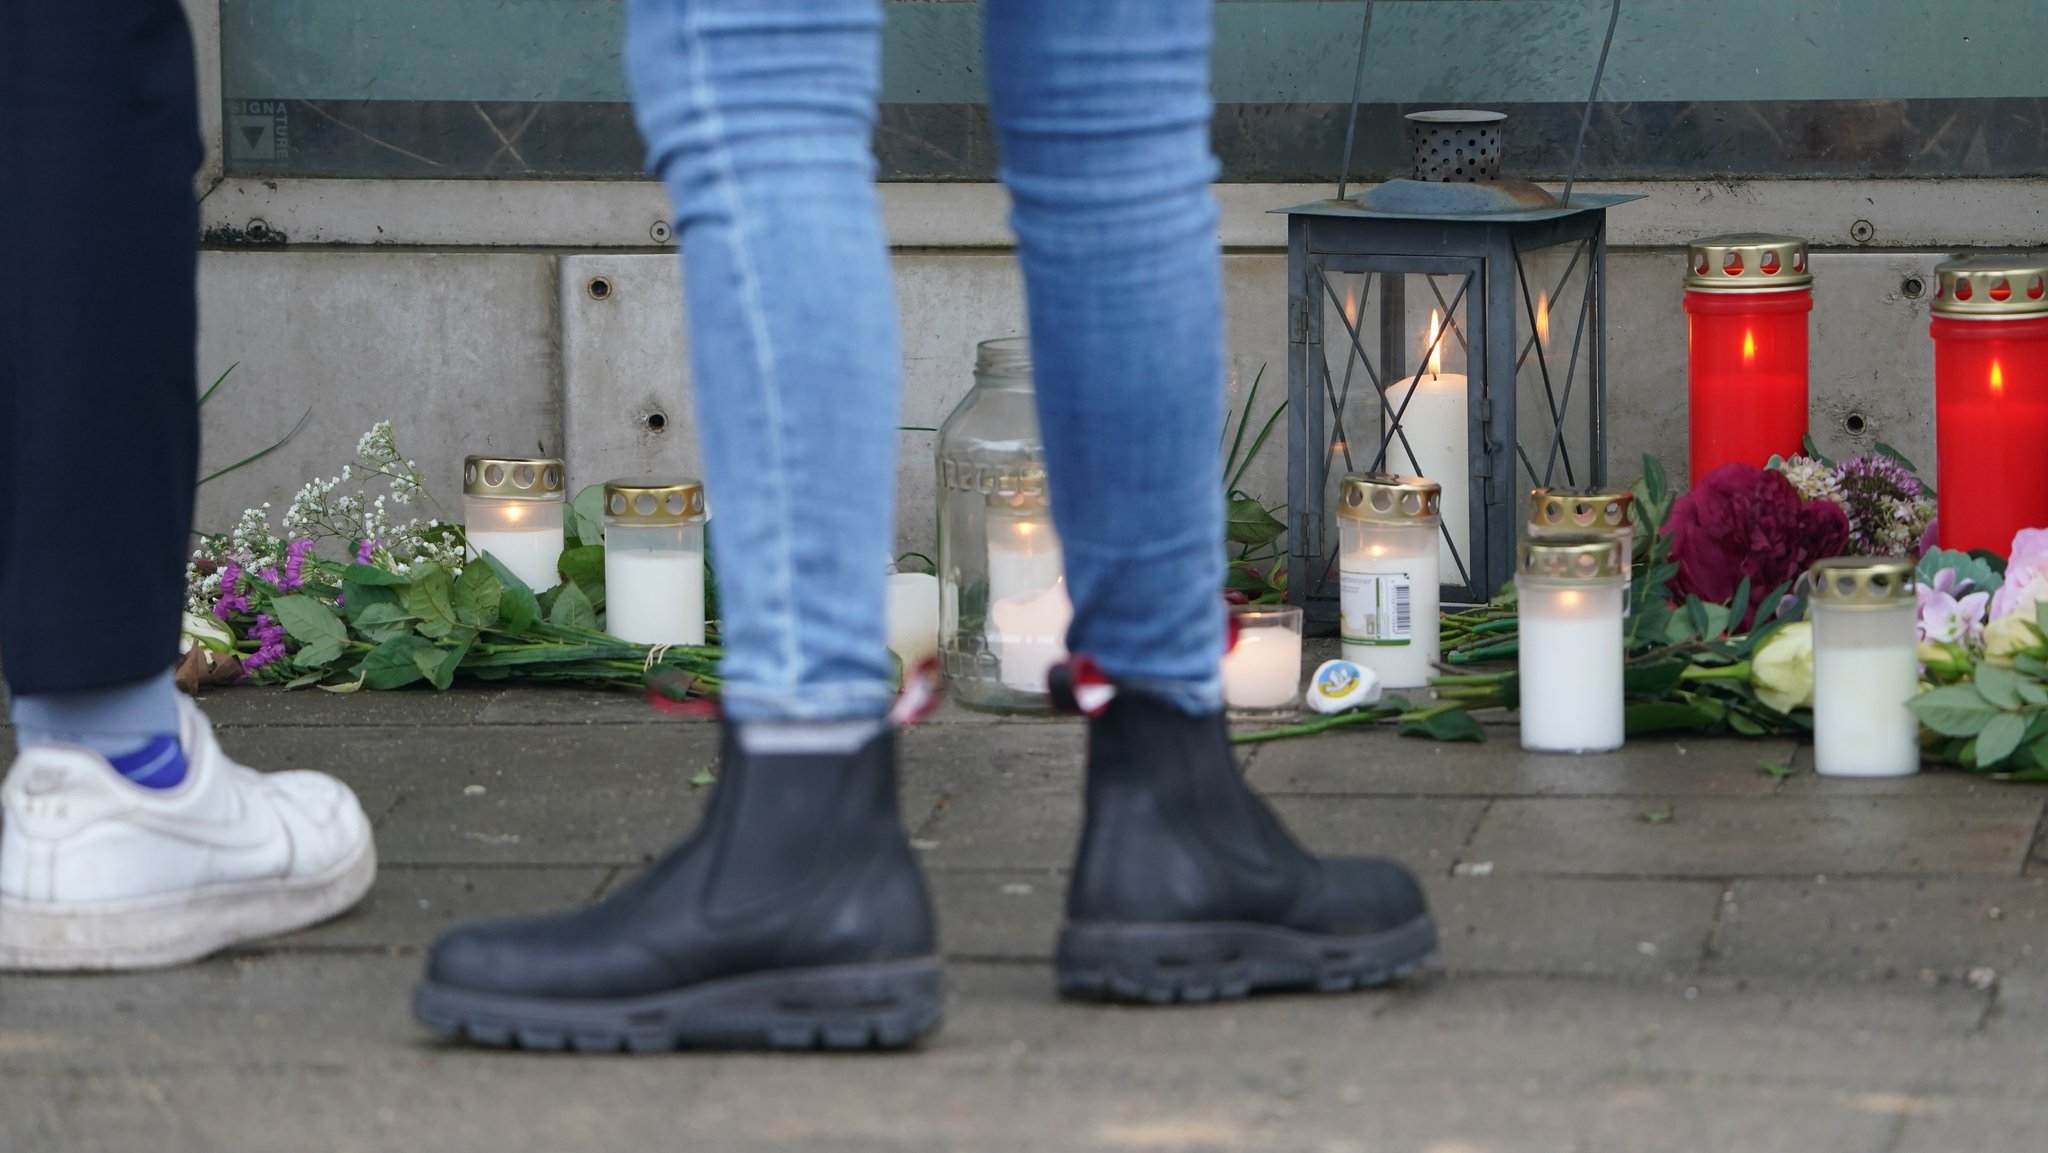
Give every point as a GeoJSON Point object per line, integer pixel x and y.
{"type": "Point", "coordinates": [99, 140]}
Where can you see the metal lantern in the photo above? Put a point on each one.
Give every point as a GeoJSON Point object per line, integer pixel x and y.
{"type": "Point", "coordinates": [1448, 325]}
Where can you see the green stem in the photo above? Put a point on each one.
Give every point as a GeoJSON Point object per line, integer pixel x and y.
{"type": "Point", "coordinates": [1310, 728]}
{"type": "Point", "coordinates": [1490, 652]}
{"type": "Point", "coordinates": [1735, 672]}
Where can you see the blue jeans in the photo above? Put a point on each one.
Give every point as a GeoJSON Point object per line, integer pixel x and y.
{"type": "Point", "coordinates": [758, 116]}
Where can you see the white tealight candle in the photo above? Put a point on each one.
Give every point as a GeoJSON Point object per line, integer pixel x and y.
{"type": "Point", "coordinates": [1028, 634]}
{"type": "Point", "coordinates": [1570, 593]}
{"type": "Point", "coordinates": [1865, 668]}
{"type": "Point", "coordinates": [913, 616]}
{"type": "Point", "coordinates": [1436, 426]}
{"type": "Point", "coordinates": [533, 556]}
{"type": "Point", "coordinates": [1388, 577]}
{"type": "Point", "coordinates": [1262, 672]}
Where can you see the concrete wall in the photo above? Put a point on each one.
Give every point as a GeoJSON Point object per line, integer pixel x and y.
{"type": "Point", "coordinates": [418, 302]}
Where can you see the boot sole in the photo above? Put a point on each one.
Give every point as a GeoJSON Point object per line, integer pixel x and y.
{"type": "Point", "coordinates": [881, 1005]}
{"type": "Point", "coordinates": [175, 928]}
{"type": "Point", "coordinates": [1160, 964]}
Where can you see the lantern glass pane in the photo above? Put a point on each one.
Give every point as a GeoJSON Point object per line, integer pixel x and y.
{"type": "Point", "coordinates": [1555, 326]}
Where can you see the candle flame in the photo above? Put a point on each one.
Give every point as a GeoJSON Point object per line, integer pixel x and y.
{"type": "Point", "coordinates": [514, 512]}
{"type": "Point", "coordinates": [1748, 348]}
{"type": "Point", "coordinates": [1436, 350]}
{"type": "Point", "coordinates": [1351, 304]}
{"type": "Point", "coordinates": [1543, 318]}
{"type": "Point", "coordinates": [1569, 598]}
{"type": "Point", "coordinates": [1997, 377]}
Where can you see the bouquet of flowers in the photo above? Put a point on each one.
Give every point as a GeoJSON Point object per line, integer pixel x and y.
{"type": "Point", "coordinates": [393, 602]}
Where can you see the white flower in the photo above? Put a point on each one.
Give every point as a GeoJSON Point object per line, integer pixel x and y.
{"type": "Point", "coordinates": [1783, 668]}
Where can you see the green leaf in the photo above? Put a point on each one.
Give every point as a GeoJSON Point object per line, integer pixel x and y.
{"type": "Point", "coordinates": [1682, 627]}
{"type": "Point", "coordinates": [476, 596]}
{"type": "Point", "coordinates": [518, 608]}
{"type": "Point", "coordinates": [301, 682]}
{"type": "Point", "coordinates": [432, 599]}
{"type": "Point", "coordinates": [1775, 769]}
{"type": "Point", "coordinates": [1656, 485]}
{"type": "Point", "coordinates": [441, 671]}
{"type": "Point", "coordinates": [1741, 723]}
{"type": "Point", "coordinates": [704, 777]}
{"type": "Point", "coordinates": [1953, 710]}
{"type": "Point", "coordinates": [2031, 665]}
{"type": "Point", "coordinates": [2001, 735]}
{"type": "Point", "coordinates": [396, 662]}
{"type": "Point", "coordinates": [1664, 717]}
{"type": "Point", "coordinates": [1982, 577]}
{"type": "Point", "coordinates": [357, 599]}
{"type": "Point", "coordinates": [380, 622]}
{"type": "Point", "coordinates": [1999, 686]}
{"type": "Point", "coordinates": [369, 574]}
{"type": "Point", "coordinates": [310, 622]}
{"type": "Point", "coordinates": [584, 565]}
{"type": "Point", "coordinates": [587, 516]}
{"type": "Point", "coordinates": [1719, 617]}
{"type": "Point", "coordinates": [1662, 815]}
{"type": "Point", "coordinates": [572, 609]}
{"type": "Point", "coordinates": [253, 457]}
{"type": "Point", "coordinates": [217, 381]}
{"type": "Point", "coordinates": [317, 655]}
{"type": "Point", "coordinates": [1448, 725]}
{"type": "Point", "coordinates": [344, 687]}
{"type": "Point", "coordinates": [1248, 522]}
{"type": "Point", "coordinates": [1653, 681]}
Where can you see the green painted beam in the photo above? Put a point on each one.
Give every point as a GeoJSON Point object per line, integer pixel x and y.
{"type": "Point", "coordinates": [1268, 51]}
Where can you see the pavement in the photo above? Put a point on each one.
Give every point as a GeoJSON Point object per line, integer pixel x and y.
{"type": "Point", "coordinates": [1674, 947]}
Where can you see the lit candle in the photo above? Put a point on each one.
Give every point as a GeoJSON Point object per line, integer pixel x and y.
{"type": "Point", "coordinates": [1746, 303]}
{"type": "Point", "coordinates": [1864, 668]}
{"type": "Point", "coordinates": [1990, 332]}
{"type": "Point", "coordinates": [1570, 592]}
{"type": "Point", "coordinates": [1388, 576]}
{"type": "Point", "coordinates": [1601, 512]}
{"type": "Point", "coordinates": [1023, 550]}
{"type": "Point", "coordinates": [1437, 430]}
{"type": "Point", "coordinates": [1028, 634]}
{"type": "Point", "coordinates": [512, 509]}
{"type": "Point", "coordinates": [1262, 671]}
{"type": "Point", "coordinates": [654, 561]}
{"type": "Point", "coordinates": [913, 616]}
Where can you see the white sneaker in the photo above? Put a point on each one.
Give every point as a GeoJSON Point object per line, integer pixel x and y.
{"type": "Point", "coordinates": [100, 873]}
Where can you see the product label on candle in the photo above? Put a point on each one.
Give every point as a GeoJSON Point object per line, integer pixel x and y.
{"type": "Point", "coordinates": [1376, 608]}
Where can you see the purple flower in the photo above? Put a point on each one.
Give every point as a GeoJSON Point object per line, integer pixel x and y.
{"type": "Point", "coordinates": [231, 598]}
{"type": "Point", "coordinates": [269, 638]}
{"type": "Point", "coordinates": [1949, 612]}
{"type": "Point", "coordinates": [295, 563]}
{"type": "Point", "coordinates": [365, 549]}
{"type": "Point", "coordinates": [1886, 504]}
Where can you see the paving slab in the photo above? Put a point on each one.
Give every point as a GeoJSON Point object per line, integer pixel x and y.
{"type": "Point", "coordinates": [239, 706]}
{"type": "Point", "coordinates": [411, 905]}
{"type": "Point", "coordinates": [1347, 762]}
{"type": "Point", "coordinates": [1861, 928]}
{"type": "Point", "coordinates": [1780, 835]}
{"type": "Point", "coordinates": [1569, 926]}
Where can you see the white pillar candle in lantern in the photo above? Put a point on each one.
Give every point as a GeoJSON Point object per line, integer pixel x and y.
{"type": "Point", "coordinates": [1570, 591]}
{"type": "Point", "coordinates": [1028, 634]}
{"type": "Point", "coordinates": [1262, 671]}
{"type": "Point", "coordinates": [1603, 512]}
{"type": "Point", "coordinates": [1389, 575]}
{"type": "Point", "coordinates": [913, 616]}
{"type": "Point", "coordinates": [654, 561]}
{"type": "Point", "coordinates": [1435, 424]}
{"type": "Point", "coordinates": [512, 509]}
{"type": "Point", "coordinates": [1864, 668]}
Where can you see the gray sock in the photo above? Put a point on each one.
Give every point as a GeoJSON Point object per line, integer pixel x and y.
{"type": "Point", "coordinates": [808, 738]}
{"type": "Point", "coordinates": [108, 721]}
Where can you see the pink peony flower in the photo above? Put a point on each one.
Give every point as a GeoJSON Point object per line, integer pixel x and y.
{"type": "Point", "coordinates": [1743, 521]}
{"type": "Point", "coordinates": [2026, 575]}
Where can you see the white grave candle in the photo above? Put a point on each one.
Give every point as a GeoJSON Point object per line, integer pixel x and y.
{"type": "Point", "coordinates": [1388, 577]}
{"type": "Point", "coordinates": [1029, 636]}
{"type": "Point", "coordinates": [913, 616]}
{"type": "Point", "coordinates": [512, 509]}
{"type": "Point", "coordinates": [654, 561]}
{"type": "Point", "coordinates": [1607, 512]}
{"type": "Point", "coordinates": [1262, 672]}
{"type": "Point", "coordinates": [1571, 592]}
{"type": "Point", "coordinates": [1864, 668]}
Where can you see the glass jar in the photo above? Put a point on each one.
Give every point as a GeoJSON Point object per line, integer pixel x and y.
{"type": "Point", "coordinates": [1003, 607]}
{"type": "Point", "coordinates": [654, 561]}
{"type": "Point", "coordinates": [512, 509]}
{"type": "Point", "coordinates": [1865, 667]}
{"type": "Point", "coordinates": [1570, 591]}
{"type": "Point", "coordinates": [1388, 570]}
{"type": "Point", "coordinates": [1262, 670]}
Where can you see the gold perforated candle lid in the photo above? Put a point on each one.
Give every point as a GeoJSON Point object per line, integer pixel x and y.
{"type": "Point", "coordinates": [1383, 498]}
{"type": "Point", "coordinates": [645, 501]}
{"type": "Point", "coordinates": [1572, 559]}
{"type": "Point", "coordinates": [1862, 582]}
{"type": "Point", "coordinates": [512, 477]}
{"type": "Point", "coordinates": [1749, 262]}
{"type": "Point", "coordinates": [1581, 510]}
{"type": "Point", "coordinates": [1991, 287]}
